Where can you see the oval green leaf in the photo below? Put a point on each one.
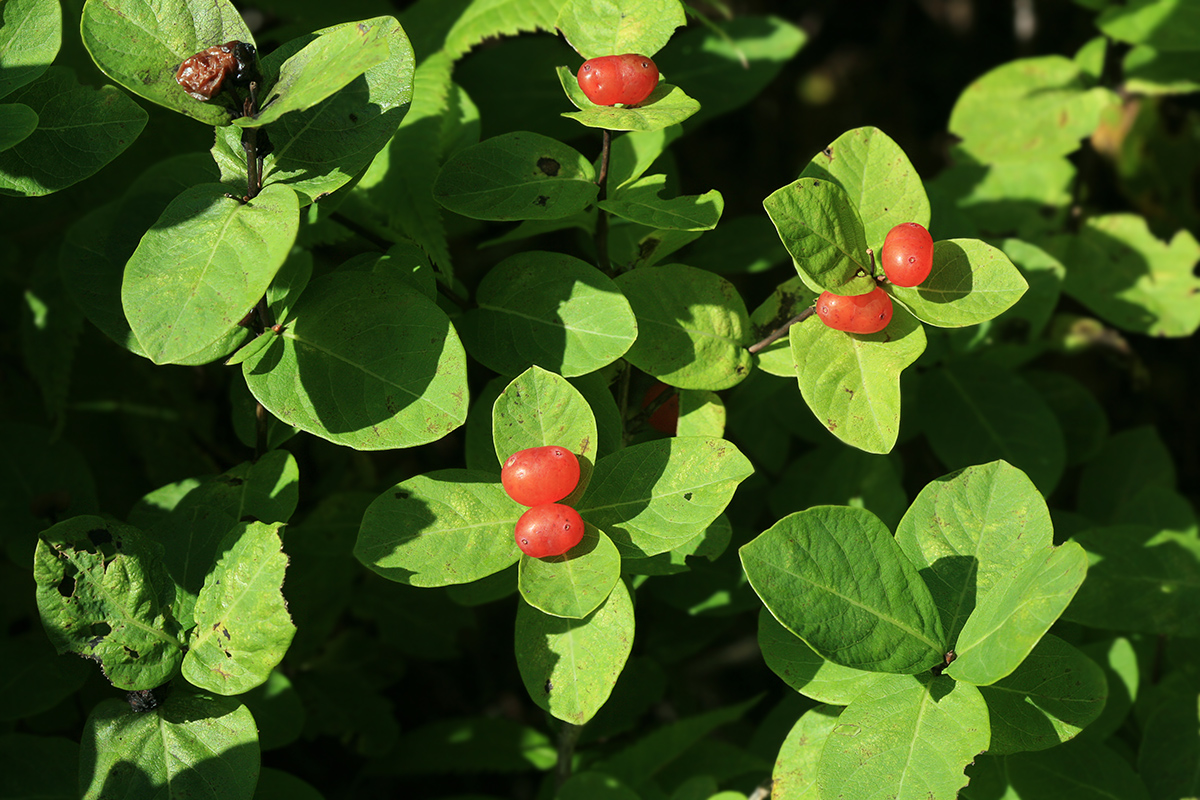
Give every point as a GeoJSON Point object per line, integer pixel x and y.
{"type": "Point", "coordinates": [242, 624]}
{"type": "Point", "coordinates": [693, 327]}
{"type": "Point", "coordinates": [852, 381]}
{"type": "Point", "coordinates": [519, 175]}
{"type": "Point", "coordinates": [971, 282]}
{"type": "Point", "coordinates": [367, 361]}
{"type": "Point", "coordinates": [655, 496]}
{"type": "Point", "coordinates": [203, 265]}
{"type": "Point", "coordinates": [442, 528]}
{"type": "Point", "coordinates": [574, 584]}
{"type": "Point", "coordinates": [878, 178]}
{"type": "Point", "coordinates": [639, 202]}
{"type": "Point", "coordinates": [550, 310]}
{"type": "Point", "coordinates": [822, 229]}
{"type": "Point", "coordinates": [835, 577]}
{"type": "Point", "coordinates": [569, 666]}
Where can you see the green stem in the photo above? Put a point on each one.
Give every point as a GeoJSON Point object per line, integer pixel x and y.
{"type": "Point", "coordinates": [568, 737]}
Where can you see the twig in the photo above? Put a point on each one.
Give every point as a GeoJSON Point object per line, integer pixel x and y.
{"type": "Point", "coordinates": [602, 215]}
{"type": "Point", "coordinates": [779, 332]}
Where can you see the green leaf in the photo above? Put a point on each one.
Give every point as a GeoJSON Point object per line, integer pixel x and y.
{"type": "Point", "coordinates": [835, 577]}
{"type": "Point", "coordinates": [652, 497]}
{"type": "Point", "coordinates": [692, 327]}
{"type": "Point", "coordinates": [471, 745]}
{"type": "Point", "coordinates": [973, 412]}
{"type": "Point", "coordinates": [79, 130]}
{"type": "Point", "coordinates": [1047, 700]}
{"type": "Point", "coordinates": [49, 330]}
{"type": "Point", "coordinates": [801, 668]}
{"type": "Point", "coordinates": [36, 26]}
{"type": "Point", "coordinates": [37, 678]}
{"type": "Point", "coordinates": [1169, 756]}
{"type": "Point", "coordinates": [1152, 72]}
{"type": "Point", "coordinates": [141, 43]}
{"type": "Point", "coordinates": [604, 27]}
{"type": "Point", "coordinates": [967, 530]}
{"type": "Point", "coordinates": [915, 739]}
{"type": "Point", "coordinates": [539, 408]}
{"type": "Point", "coordinates": [39, 767]}
{"type": "Point", "coordinates": [190, 746]}
{"type": "Point", "coordinates": [836, 475]}
{"type": "Point", "coordinates": [319, 150]}
{"type": "Point", "coordinates": [1078, 769]}
{"type": "Point", "coordinates": [742, 244]}
{"type": "Point", "coordinates": [407, 193]}
{"type": "Point", "coordinates": [666, 106]}
{"type": "Point", "coordinates": [592, 785]}
{"type": "Point", "coordinates": [635, 152]}
{"type": "Point", "coordinates": [17, 122]}
{"type": "Point", "coordinates": [1139, 579]}
{"type": "Point", "coordinates": [1119, 663]}
{"type": "Point", "coordinates": [820, 226]}
{"type": "Point", "coordinates": [640, 763]}
{"type": "Point", "coordinates": [574, 584]}
{"type": "Point", "coordinates": [1129, 463]}
{"type": "Point", "coordinates": [701, 413]}
{"type": "Point", "coordinates": [1030, 109]}
{"type": "Point", "coordinates": [852, 381]}
{"type": "Point", "coordinates": [519, 175]}
{"type": "Point", "coordinates": [1171, 25]}
{"type": "Point", "coordinates": [96, 248]}
{"type": "Point", "coordinates": [242, 624]}
{"type": "Point", "coordinates": [729, 64]}
{"type": "Point", "coordinates": [252, 348]}
{"type": "Point", "coordinates": [1015, 613]}
{"type": "Point", "coordinates": [367, 362]}
{"type": "Point", "coordinates": [484, 19]}
{"type": "Point", "coordinates": [195, 517]}
{"type": "Point", "coordinates": [1010, 198]}
{"type": "Point", "coordinates": [203, 265]}
{"type": "Point", "coordinates": [103, 593]}
{"type": "Point", "coordinates": [570, 666]}
{"type": "Point", "coordinates": [878, 178]}
{"type": "Point", "coordinates": [442, 528]}
{"type": "Point", "coordinates": [1121, 271]}
{"type": "Point", "coordinates": [795, 773]}
{"type": "Point", "coordinates": [322, 67]}
{"type": "Point", "coordinates": [639, 202]}
{"type": "Point", "coordinates": [550, 310]}
{"type": "Point", "coordinates": [1080, 415]}
{"type": "Point", "coordinates": [971, 282]}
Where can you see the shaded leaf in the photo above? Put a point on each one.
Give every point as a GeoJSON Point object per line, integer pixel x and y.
{"type": "Point", "coordinates": [971, 282]}
{"type": "Point", "coordinates": [574, 584]}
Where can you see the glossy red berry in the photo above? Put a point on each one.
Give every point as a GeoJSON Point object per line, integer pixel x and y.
{"type": "Point", "coordinates": [907, 254]}
{"type": "Point", "coordinates": [627, 79]}
{"type": "Point", "coordinates": [540, 475]}
{"type": "Point", "coordinates": [666, 417]}
{"type": "Point", "coordinates": [864, 313]}
{"type": "Point", "coordinates": [548, 530]}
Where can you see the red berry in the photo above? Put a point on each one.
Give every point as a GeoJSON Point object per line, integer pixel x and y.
{"type": "Point", "coordinates": [548, 530]}
{"type": "Point", "coordinates": [540, 475]}
{"type": "Point", "coordinates": [863, 313]}
{"type": "Point", "coordinates": [666, 417]}
{"type": "Point", "coordinates": [907, 254]}
{"type": "Point", "coordinates": [627, 79]}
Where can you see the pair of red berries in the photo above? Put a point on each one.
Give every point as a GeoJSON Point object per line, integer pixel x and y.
{"type": "Point", "coordinates": [539, 477]}
{"type": "Point", "coordinates": [907, 258]}
{"type": "Point", "coordinates": [627, 79]}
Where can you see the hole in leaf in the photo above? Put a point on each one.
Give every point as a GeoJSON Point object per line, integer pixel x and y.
{"type": "Point", "coordinates": [687, 495]}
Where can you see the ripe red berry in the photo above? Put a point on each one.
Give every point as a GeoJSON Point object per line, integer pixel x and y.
{"type": "Point", "coordinates": [907, 254]}
{"type": "Point", "coordinates": [548, 530]}
{"type": "Point", "coordinates": [863, 313]}
{"type": "Point", "coordinates": [666, 417]}
{"type": "Point", "coordinates": [628, 79]}
{"type": "Point", "coordinates": [540, 475]}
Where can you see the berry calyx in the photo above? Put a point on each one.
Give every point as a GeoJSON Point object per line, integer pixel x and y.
{"type": "Point", "coordinates": [666, 417]}
{"type": "Point", "coordinates": [907, 254]}
{"type": "Point", "coordinates": [548, 530]}
{"type": "Point", "coordinates": [627, 79]}
{"type": "Point", "coordinates": [863, 313]}
{"type": "Point", "coordinates": [540, 475]}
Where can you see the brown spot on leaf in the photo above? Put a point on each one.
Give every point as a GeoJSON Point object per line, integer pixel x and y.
{"type": "Point", "coordinates": [549, 166]}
